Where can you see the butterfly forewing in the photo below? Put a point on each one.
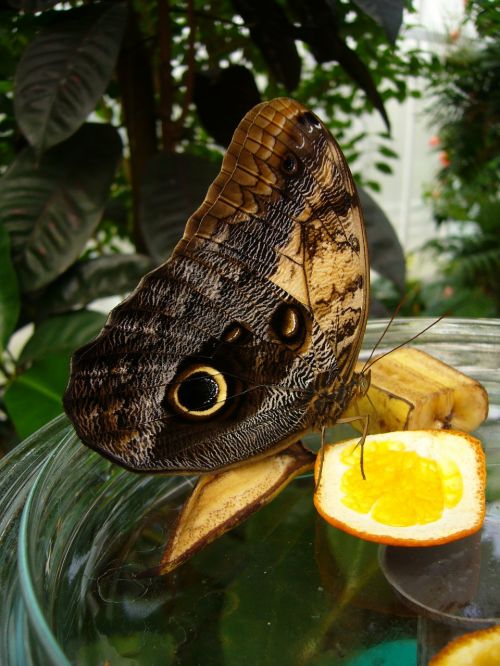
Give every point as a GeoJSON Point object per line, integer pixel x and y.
{"type": "Point", "coordinates": [220, 354]}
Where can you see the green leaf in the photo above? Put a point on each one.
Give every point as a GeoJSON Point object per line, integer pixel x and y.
{"type": "Point", "coordinates": [34, 397]}
{"type": "Point", "coordinates": [9, 291]}
{"type": "Point", "coordinates": [373, 185]}
{"type": "Point", "coordinates": [383, 167]}
{"type": "Point", "coordinates": [387, 13]}
{"type": "Point", "coordinates": [281, 593]}
{"type": "Point", "coordinates": [364, 584]}
{"type": "Point", "coordinates": [86, 281]}
{"type": "Point", "coordinates": [52, 207]}
{"type": "Point", "coordinates": [387, 152]}
{"type": "Point", "coordinates": [222, 98]}
{"type": "Point", "coordinates": [62, 334]}
{"type": "Point", "coordinates": [65, 70]}
{"type": "Point", "coordinates": [273, 34]}
{"type": "Point", "coordinates": [173, 188]}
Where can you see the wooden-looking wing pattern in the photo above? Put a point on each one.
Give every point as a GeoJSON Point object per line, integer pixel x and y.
{"type": "Point", "coordinates": [247, 336]}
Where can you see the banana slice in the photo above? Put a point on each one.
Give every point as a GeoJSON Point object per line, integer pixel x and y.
{"type": "Point", "coordinates": [411, 390]}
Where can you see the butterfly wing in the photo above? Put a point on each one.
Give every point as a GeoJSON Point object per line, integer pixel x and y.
{"type": "Point", "coordinates": [218, 354]}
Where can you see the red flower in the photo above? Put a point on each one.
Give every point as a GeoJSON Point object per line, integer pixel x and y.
{"type": "Point", "coordinates": [444, 159]}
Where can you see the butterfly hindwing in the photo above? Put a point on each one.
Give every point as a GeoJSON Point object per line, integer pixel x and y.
{"type": "Point", "coordinates": [220, 354]}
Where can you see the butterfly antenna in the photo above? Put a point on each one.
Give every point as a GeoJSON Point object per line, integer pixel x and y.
{"type": "Point", "coordinates": [403, 344]}
{"type": "Point", "coordinates": [382, 336]}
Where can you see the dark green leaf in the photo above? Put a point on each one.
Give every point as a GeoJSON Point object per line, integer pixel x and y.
{"type": "Point", "coordinates": [9, 291]}
{"type": "Point", "coordinates": [386, 254]}
{"type": "Point", "coordinates": [51, 208]}
{"type": "Point", "coordinates": [269, 606]}
{"type": "Point", "coordinates": [357, 562]}
{"type": "Point", "coordinates": [273, 34]}
{"type": "Point", "coordinates": [173, 188]}
{"type": "Point", "coordinates": [383, 167]}
{"type": "Point", "coordinates": [318, 22]}
{"type": "Point", "coordinates": [34, 397]}
{"type": "Point", "coordinates": [337, 50]}
{"type": "Point", "coordinates": [222, 98]}
{"type": "Point", "coordinates": [387, 13]}
{"type": "Point", "coordinates": [87, 281]}
{"type": "Point", "coordinates": [387, 152]}
{"type": "Point", "coordinates": [65, 70]}
{"type": "Point", "coordinates": [373, 185]}
{"type": "Point", "coordinates": [62, 334]}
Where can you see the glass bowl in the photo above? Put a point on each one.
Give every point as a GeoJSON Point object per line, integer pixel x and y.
{"type": "Point", "coordinates": [284, 587]}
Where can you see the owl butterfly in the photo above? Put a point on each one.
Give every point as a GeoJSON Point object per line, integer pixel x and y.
{"type": "Point", "coordinates": [247, 336]}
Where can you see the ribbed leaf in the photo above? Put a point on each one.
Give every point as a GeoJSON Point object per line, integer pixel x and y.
{"type": "Point", "coordinates": [64, 72]}
{"type": "Point", "coordinates": [34, 397]}
{"type": "Point", "coordinates": [174, 186]}
{"type": "Point", "coordinates": [89, 280]}
{"type": "Point", "coordinates": [9, 290]}
{"type": "Point", "coordinates": [52, 207]}
{"type": "Point", "coordinates": [62, 334]}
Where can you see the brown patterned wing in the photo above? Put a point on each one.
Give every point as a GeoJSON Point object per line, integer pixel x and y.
{"type": "Point", "coordinates": [247, 336]}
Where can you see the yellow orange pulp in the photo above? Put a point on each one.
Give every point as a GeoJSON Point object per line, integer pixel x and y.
{"type": "Point", "coordinates": [423, 487]}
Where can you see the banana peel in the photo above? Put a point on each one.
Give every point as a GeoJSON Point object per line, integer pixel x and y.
{"type": "Point", "coordinates": [412, 390]}
{"type": "Point", "coordinates": [222, 500]}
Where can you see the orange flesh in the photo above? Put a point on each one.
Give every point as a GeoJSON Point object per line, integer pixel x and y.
{"type": "Point", "coordinates": [402, 488]}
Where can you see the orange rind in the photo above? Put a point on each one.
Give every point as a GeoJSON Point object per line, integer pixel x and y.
{"type": "Point", "coordinates": [479, 648]}
{"type": "Point", "coordinates": [422, 488]}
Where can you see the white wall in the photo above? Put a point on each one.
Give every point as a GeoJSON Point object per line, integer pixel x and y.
{"type": "Point", "coordinates": [401, 196]}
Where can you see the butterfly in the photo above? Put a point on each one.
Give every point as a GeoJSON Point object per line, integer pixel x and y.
{"type": "Point", "coordinates": [247, 336]}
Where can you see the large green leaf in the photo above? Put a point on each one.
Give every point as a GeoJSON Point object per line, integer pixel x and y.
{"type": "Point", "coordinates": [173, 188]}
{"type": "Point", "coordinates": [275, 608]}
{"type": "Point", "coordinates": [319, 28]}
{"type": "Point", "coordinates": [65, 70]}
{"type": "Point", "coordinates": [62, 334]}
{"type": "Point", "coordinates": [9, 290]}
{"type": "Point", "coordinates": [86, 281]}
{"type": "Point", "coordinates": [33, 397]}
{"type": "Point", "coordinates": [52, 207]}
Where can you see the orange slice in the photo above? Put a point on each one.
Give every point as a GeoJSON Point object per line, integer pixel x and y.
{"type": "Point", "coordinates": [422, 487]}
{"type": "Point", "coordinates": [480, 648]}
